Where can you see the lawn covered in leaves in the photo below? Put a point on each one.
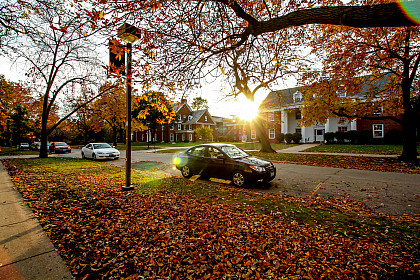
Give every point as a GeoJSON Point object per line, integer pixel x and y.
{"type": "Point", "coordinates": [358, 149]}
{"type": "Point", "coordinates": [172, 228]}
{"type": "Point", "coordinates": [383, 164]}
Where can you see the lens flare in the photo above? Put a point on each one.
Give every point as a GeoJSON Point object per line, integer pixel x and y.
{"type": "Point", "coordinates": [411, 9]}
{"type": "Point", "coordinates": [177, 160]}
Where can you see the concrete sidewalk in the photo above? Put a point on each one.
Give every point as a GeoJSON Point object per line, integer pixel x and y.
{"type": "Point", "coordinates": [25, 250]}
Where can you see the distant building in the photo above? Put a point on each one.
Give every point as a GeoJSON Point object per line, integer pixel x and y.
{"type": "Point", "coordinates": [281, 111]}
{"type": "Point", "coordinates": [182, 129]}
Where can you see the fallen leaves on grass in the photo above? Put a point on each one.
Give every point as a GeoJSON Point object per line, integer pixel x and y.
{"type": "Point", "coordinates": [382, 164]}
{"type": "Point", "coordinates": [104, 233]}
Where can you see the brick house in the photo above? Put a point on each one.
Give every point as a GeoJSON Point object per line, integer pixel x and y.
{"type": "Point", "coordinates": [281, 110]}
{"type": "Point", "coordinates": [182, 130]}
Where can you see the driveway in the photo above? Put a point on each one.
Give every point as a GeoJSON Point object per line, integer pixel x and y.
{"type": "Point", "coordinates": [388, 192]}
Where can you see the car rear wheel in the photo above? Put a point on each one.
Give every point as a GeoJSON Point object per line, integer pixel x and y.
{"type": "Point", "coordinates": [83, 155]}
{"type": "Point", "coordinates": [186, 171]}
{"type": "Point", "coordinates": [238, 179]}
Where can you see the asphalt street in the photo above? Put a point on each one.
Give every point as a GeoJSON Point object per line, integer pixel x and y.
{"type": "Point", "coordinates": [388, 192]}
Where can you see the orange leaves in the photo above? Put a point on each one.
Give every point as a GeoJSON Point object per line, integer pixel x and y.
{"type": "Point", "coordinates": [104, 233]}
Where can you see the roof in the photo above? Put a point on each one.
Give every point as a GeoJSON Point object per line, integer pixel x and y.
{"type": "Point", "coordinates": [279, 98]}
{"type": "Point", "coordinates": [196, 115]}
{"type": "Point", "coordinates": [284, 97]}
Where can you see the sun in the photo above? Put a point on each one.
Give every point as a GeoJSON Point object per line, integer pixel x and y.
{"type": "Point", "coordinates": [245, 109]}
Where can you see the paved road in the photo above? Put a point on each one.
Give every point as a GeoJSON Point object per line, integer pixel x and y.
{"type": "Point", "coordinates": [389, 192]}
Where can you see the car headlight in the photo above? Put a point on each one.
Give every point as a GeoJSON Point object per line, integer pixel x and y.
{"type": "Point", "coordinates": [257, 168]}
{"type": "Point", "coordinates": [100, 153]}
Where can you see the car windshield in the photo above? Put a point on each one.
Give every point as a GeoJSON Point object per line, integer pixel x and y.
{"type": "Point", "coordinates": [101, 146]}
{"type": "Point", "coordinates": [60, 144]}
{"type": "Point", "coordinates": [234, 152]}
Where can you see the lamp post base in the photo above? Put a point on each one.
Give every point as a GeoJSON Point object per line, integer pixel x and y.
{"type": "Point", "coordinates": [125, 188]}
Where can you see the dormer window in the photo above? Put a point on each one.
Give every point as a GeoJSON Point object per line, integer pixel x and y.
{"type": "Point", "coordinates": [189, 118]}
{"type": "Point", "coordinates": [379, 111]}
{"type": "Point", "coordinates": [297, 97]}
{"type": "Point", "coordinates": [343, 94]}
{"type": "Point", "coordinates": [205, 118]}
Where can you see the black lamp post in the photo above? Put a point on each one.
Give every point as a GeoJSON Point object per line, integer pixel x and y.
{"type": "Point", "coordinates": [128, 34]}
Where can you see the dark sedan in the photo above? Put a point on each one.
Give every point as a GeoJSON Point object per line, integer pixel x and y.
{"type": "Point", "coordinates": [224, 161]}
{"type": "Point", "coordinates": [59, 147]}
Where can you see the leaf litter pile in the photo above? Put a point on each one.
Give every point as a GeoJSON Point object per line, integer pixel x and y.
{"type": "Point", "coordinates": [179, 229]}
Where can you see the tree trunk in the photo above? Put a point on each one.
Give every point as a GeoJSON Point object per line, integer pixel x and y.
{"type": "Point", "coordinates": [262, 136]}
{"type": "Point", "coordinates": [409, 153]}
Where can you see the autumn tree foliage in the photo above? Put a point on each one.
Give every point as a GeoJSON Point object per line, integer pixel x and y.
{"type": "Point", "coordinates": [109, 111]}
{"type": "Point", "coordinates": [187, 42]}
{"type": "Point", "coordinates": [52, 39]}
{"type": "Point", "coordinates": [204, 133]}
{"type": "Point", "coordinates": [13, 97]}
{"type": "Point", "coordinates": [153, 109]}
{"type": "Point", "coordinates": [366, 73]}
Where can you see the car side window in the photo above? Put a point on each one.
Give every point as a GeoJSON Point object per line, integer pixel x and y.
{"type": "Point", "coordinates": [213, 152]}
{"type": "Point", "coordinates": [198, 151]}
{"type": "Point", "coordinates": [89, 147]}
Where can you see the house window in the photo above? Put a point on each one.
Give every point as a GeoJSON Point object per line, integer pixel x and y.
{"type": "Point", "coordinates": [183, 137]}
{"type": "Point", "coordinates": [253, 134]}
{"type": "Point", "coordinates": [205, 118]}
{"type": "Point", "coordinates": [191, 137]}
{"type": "Point", "coordinates": [172, 127]}
{"type": "Point", "coordinates": [190, 127]}
{"type": "Point", "coordinates": [342, 128]}
{"type": "Point", "coordinates": [297, 97]}
{"type": "Point", "coordinates": [171, 137]}
{"type": "Point", "coordinates": [378, 130]}
{"type": "Point", "coordinates": [271, 117]}
{"type": "Point", "coordinates": [379, 111]}
{"type": "Point", "coordinates": [234, 138]}
{"type": "Point", "coordinates": [343, 94]}
{"type": "Point", "coordinates": [179, 126]}
{"type": "Point", "coordinates": [298, 114]}
{"type": "Point", "coordinates": [298, 130]}
{"type": "Point", "coordinates": [189, 118]}
{"type": "Point", "coordinates": [271, 133]}
{"type": "Point", "coordinates": [184, 116]}
{"type": "Point", "coordinates": [185, 127]}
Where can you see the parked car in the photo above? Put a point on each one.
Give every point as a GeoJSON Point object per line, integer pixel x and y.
{"type": "Point", "coordinates": [23, 146]}
{"type": "Point", "coordinates": [100, 151]}
{"type": "Point", "coordinates": [224, 161]}
{"type": "Point", "coordinates": [35, 146]}
{"type": "Point", "coordinates": [59, 147]}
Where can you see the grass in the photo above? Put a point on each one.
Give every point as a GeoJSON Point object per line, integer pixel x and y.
{"type": "Point", "coordinates": [96, 227]}
{"type": "Point", "coordinates": [66, 173]}
{"type": "Point", "coordinates": [8, 151]}
{"type": "Point", "coordinates": [358, 149]}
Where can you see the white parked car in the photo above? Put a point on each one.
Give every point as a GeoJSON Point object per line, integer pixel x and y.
{"type": "Point", "coordinates": [100, 151]}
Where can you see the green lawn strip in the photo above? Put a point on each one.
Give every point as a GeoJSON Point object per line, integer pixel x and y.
{"type": "Point", "coordinates": [358, 149]}
{"type": "Point", "coordinates": [65, 191]}
{"type": "Point", "coordinates": [8, 151]}
{"type": "Point", "coordinates": [346, 162]}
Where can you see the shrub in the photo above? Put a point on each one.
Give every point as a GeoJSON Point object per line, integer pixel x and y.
{"type": "Point", "coordinates": [296, 137]}
{"type": "Point", "coordinates": [340, 136]}
{"type": "Point", "coordinates": [288, 137]}
{"type": "Point", "coordinates": [364, 137]}
{"type": "Point", "coordinates": [222, 138]}
{"type": "Point", "coordinates": [329, 137]}
{"type": "Point", "coordinates": [394, 137]}
{"type": "Point", "coordinates": [351, 135]}
{"type": "Point", "coordinates": [282, 137]}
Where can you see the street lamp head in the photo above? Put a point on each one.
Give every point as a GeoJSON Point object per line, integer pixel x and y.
{"type": "Point", "coordinates": [128, 33]}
